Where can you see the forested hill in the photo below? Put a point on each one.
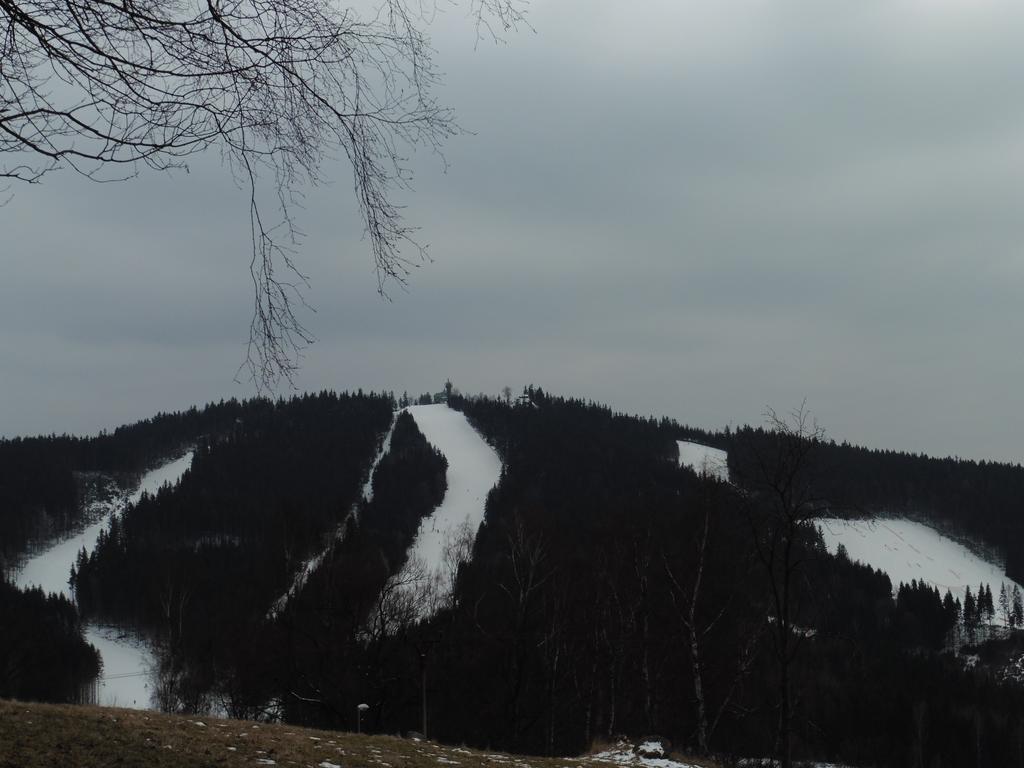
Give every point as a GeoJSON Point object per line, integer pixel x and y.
{"type": "Point", "coordinates": [608, 590]}
{"type": "Point", "coordinates": [981, 500]}
{"type": "Point", "coordinates": [41, 477]}
{"type": "Point", "coordinates": [590, 637]}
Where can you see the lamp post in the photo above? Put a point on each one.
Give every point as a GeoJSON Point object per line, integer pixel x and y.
{"type": "Point", "coordinates": [423, 646]}
{"type": "Point", "coordinates": [359, 716]}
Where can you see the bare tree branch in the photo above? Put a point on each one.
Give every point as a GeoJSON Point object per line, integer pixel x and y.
{"type": "Point", "coordinates": [108, 89]}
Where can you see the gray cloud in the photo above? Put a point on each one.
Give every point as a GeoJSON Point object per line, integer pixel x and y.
{"type": "Point", "coordinates": [691, 209]}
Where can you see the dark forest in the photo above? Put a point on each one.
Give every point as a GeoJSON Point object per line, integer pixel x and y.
{"type": "Point", "coordinates": [609, 591]}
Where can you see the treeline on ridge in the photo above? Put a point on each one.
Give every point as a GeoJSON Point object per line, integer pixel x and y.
{"type": "Point", "coordinates": [40, 488]}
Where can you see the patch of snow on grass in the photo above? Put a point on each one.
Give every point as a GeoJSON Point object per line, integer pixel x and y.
{"type": "Point", "coordinates": [703, 459]}
{"type": "Point", "coordinates": [653, 748]}
{"type": "Point", "coordinates": [623, 754]}
{"type": "Point", "coordinates": [906, 550]}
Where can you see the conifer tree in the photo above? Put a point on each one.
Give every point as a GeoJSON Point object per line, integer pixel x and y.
{"type": "Point", "coordinates": [970, 610]}
{"type": "Point", "coordinates": [1017, 608]}
{"type": "Point", "coordinates": [950, 609]}
{"type": "Point", "coordinates": [1004, 604]}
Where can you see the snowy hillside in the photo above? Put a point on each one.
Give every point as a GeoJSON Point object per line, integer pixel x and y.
{"type": "Point", "coordinates": [126, 660]}
{"type": "Point", "coordinates": [50, 569]}
{"type": "Point", "coordinates": [907, 550]}
{"type": "Point", "coordinates": [473, 469]}
{"type": "Point", "coordinates": [703, 459]}
{"type": "Point", "coordinates": [127, 663]}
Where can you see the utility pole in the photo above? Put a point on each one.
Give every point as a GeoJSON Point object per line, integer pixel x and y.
{"type": "Point", "coordinates": [423, 646]}
{"type": "Point", "coordinates": [423, 690]}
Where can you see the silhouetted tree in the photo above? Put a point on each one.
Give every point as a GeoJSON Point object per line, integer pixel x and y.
{"type": "Point", "coordinates": [781, 510]}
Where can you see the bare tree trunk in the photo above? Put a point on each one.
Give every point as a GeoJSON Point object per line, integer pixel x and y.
{"type": "Point", "coordinates": [552, 687]}
{"type": "Point", "coordinates": [920, 715]}
{"type": "Point", "coordinates": [785, 719]}
{"type": "Point", "coordinates": [689, 621]}
{"type": "Point", "coordinates": [780, 512]}
{"type": "Point", "coordinates": [698, 695]}
{"type": "Point", "coordinates": [641, 569]}
{"type": "Point", "coordinates": [977, 739]}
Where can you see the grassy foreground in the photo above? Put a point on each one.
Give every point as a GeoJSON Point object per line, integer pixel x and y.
{"type": "Point", "coordinates": [46, 735]}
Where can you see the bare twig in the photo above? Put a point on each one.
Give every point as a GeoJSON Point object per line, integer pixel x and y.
{"type": "Point", "coordinates": [108, 88]}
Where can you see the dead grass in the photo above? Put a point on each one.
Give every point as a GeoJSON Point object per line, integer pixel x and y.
{"type": "Point", "coordinates": [53, 736]}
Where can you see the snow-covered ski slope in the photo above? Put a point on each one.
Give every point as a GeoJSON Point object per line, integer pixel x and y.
{"type": "Point", "coordinates": [703, 459]}
{"type": "Point", "coordinates": [311, 564]}
{"type": "Point", "coordinates": [50, 569]}
{"type": "Point", "coordinates": [127, 660]}
{"type": "Point", "coordinates": [385, 446]}
{"type": "Point", "coordinates": [906, 550]}
{"type": "Point", "coordinates": [473, 469]}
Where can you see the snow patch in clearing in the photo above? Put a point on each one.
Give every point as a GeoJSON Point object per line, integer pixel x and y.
{"type": "Point", "coordinates": [768, 763]}
{"type": "Point", "coordinates": [474, 468]}
{"type": "Point", "coordinates": [907, 550]}
{"type": "Point", "coordinates": [704, 460]}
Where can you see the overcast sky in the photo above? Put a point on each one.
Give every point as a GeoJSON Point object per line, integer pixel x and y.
{"type": "Point", "coordinates": [692, 209]}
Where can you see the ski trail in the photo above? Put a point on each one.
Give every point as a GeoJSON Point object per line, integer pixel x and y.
{"type": "Point", "coordinates": [127, 661]}
{"type": "Point", "coordinates": [703, 459]}
{"type": "Point", "coordinates": [474, 468]}
{"type": "Point", "coordinates": [941, 562]}
{"type": "Point", "coordinates": [312, 563]}
{"type": "Point", "coordinates": [51, 568]}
